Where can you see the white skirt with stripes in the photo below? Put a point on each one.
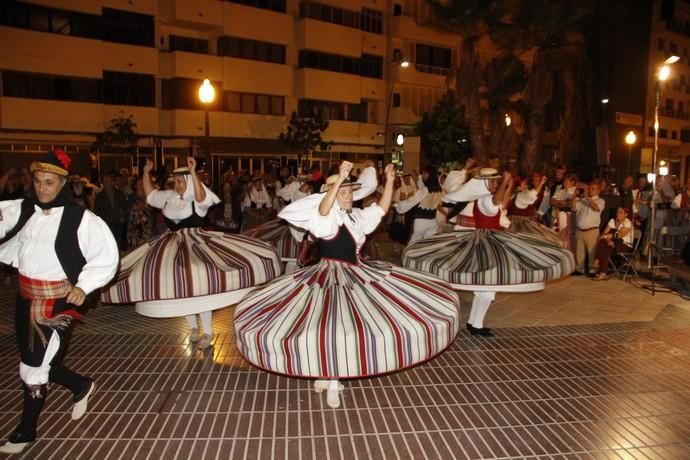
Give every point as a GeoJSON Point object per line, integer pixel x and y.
{"type": "Point", "coordinates": [338, 320]}
{"type": "Point", "coordinates": [528, 226]}
{"type": "Point", "coordinates": [276, 232]}
{"type": "Point", "coordinates": [192, 262]}
{"type": "Point", "coordinates": [489, 258]}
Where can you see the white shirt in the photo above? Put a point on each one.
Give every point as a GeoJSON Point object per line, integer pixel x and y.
{"type": "Point", "coordinates": [177, 208]}
{"type": "Point", "coordinates": [627, 239]}
{"type": "Point", "coordinates": [260, 198]}
{"type": "Point", "coordinates": [525, 198]}
{"type": "Point", "coordinates": [585, 216]}
{"type": "Point", "coordinates": [305, 214]}
{"type": "Point", "coordinates": [32, 250]}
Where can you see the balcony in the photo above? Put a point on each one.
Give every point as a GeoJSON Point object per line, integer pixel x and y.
{"type": "Point", "coordinates": [257, 24]}
{"type": "Point", "coordinates": [249, 76]}
{"type": "Point", "coordinates": [224, 124]}
{"type": "Point", "coordinates": [328, 38]}
{"type": "Point", "coordinates": [407, 28]}
{"type": "Point", "coordinates": [352, 132]}
{"type": "Point", "coordinates": [194, 65]}
{"type": "Point", "coordinates": [328, 86]}
{"type": "Point", "coordinates": [199, 14]}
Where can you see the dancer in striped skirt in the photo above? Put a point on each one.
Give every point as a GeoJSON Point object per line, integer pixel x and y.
{"type": "Point", "coordinates": [523, 212]}
{"type": "Point", "coordinates": [345, 318]}
{"type": "Point", "coordinates": [482, 258]}
{"type": "Point", "coordinates": [189, 271]}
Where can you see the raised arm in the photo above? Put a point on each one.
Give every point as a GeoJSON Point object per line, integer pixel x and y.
{"type": "Point", "coordinates": [146, 178]}
{"type": "Point", "coordinates": [329, 199]}
{"type": "Point", "coordinates": [387, 197]}
{"type": "Point", "coordinates": [199, 190]}
{"type": "Point", "coordinates": [503, 189]}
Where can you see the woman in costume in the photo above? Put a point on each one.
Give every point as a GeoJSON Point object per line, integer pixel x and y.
{"type": "Point", "coordinates": [523, 214]}
{"type": "Point", "coordinates": [480, 257]}
{"type": "Point", "coordinates": [343, 317]}
{"type": "Point", "coordinates": [187, 270]}
{"type": "Point", "coordinates": [286, 238]}
{"type": "Point", "coordinates": [427, 200]}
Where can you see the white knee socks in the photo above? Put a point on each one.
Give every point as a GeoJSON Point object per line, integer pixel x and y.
{"type": "Point", "coordinates": [480, 305]}
{"type": "Point", "coordinates": [206, 322]}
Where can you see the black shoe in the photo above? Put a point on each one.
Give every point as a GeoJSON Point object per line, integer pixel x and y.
{"type": "Point", "coordinates": [483, 331]}
{"type": "Point", "coordinates": [576, 273]}
{"type": "Point", "coordinates": [17, 442]}
{"type": "Point", "coordinates": [468, 326]}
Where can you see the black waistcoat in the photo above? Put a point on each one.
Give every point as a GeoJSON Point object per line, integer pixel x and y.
{"type": "Point", "coordinates": [193, 221]}
{"type": "Point", "coordinates": [341, 247]}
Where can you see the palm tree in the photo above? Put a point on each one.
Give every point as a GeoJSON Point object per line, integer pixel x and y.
{"type": "Point", "coordinates": [472, 21]}
{"type": "Point", "coordinates": [551, 32]}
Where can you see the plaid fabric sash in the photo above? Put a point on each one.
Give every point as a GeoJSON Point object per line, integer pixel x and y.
{"type": "Point", "coordinates": [42, 296]}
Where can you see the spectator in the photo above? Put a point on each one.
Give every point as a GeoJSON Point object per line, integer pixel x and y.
{"type": "Point", "coordinates": [141, 217]}
{"type": "Point", "coordinates": [110, 205]}
{"type": "Point", "coordinates": [617, 237]}
{"type": "Point", "coordinates": [587, 220]}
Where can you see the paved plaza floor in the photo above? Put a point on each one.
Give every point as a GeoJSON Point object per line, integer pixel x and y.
{"type": "Point", "coordinates": [583, 369]}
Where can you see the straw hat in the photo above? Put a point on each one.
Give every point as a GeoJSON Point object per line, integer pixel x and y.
{"type": "Point", "coordinates": [334, 178]}
{"type": "Point", "coordinates": [487, 173]}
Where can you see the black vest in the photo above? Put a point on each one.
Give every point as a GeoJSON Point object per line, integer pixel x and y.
{"type": "Point", "coordinates": [341, 247]}
{"type": "Point", "coordinates": [66, 242]}
{"type": "Point", "coordinates": [193, 221]}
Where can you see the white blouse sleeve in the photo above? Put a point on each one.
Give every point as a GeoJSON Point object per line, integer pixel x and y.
{"type": "Point", "coordinates": [202, 207]}
{"type": "Point", "coordinates": [525, 198]}
{"type": "Point", "coordinates": [99, 248]}
{"type": "Point", "coordinates": [369, 218]}
{"type": "Point", "coordinates": [9, 215]}
{"type": "Point", "coordinates": [369, 182]}
{"type": "Point", "coordinates": [158, 198]}
{"type": "Point", "coordinates": [403, 206]}
{"type": "Point", "coordinates": [299, 213]}
{"type": "Point", "coordinates": [487, 206]}
{"type": "Point", "coordinates": [675, 204]}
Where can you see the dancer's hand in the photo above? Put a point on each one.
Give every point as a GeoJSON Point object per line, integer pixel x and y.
{"type": "Point", "coordinates": [191, 164]}
{"type": "Point", "coordinates": [75, 296]}
{"type": "Point", "coordinates": [390, 172]}
{"type": "Point", "coordinates": [148, 167]}
{"type": "Point", "coordinates": [344, 171]}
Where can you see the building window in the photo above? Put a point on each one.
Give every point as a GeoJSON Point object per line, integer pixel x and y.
{"type": "Point", "coordinates": [192, 45]}
{"type": "Point", "coordinates": [52, 87]}
{"type": "Point", "coordinates": [43, 19]}
{"type": "Point", "coordinates": [673, 48]}
{"type": "Point", "coordinates": [367, 66]}
{"type": "Point", "coordinates": [433, 56]}
{"type": "Point", "coordinates": [674, 135]}
{"type": "Point", "coordinates": [125, 27]}
{"type": "Point", "coordinates": [251, 49]}
{"type": "Point", "coordinates": [372, 21]}
{"type": "Point", "coordinates": [663, 132]}
{"type": "Point", "coordinates": [333, 110]}
{"type": "Point", "coordinates": [273, 5]}
{"type": "Point", "coordinates": [661, 44]}
{"type": "Point", "coordinates": [357, 112]}
{"type": "Point", "coordinates": [396, 99]}
{"type": "Point", "coordinates": [397, 9]}
{"type": "Point", "coordinates": [368, 20]}
{"type": "Point", "coordinates": [121, 88]}
{"type": "Point", "coordinates": [263, 104]}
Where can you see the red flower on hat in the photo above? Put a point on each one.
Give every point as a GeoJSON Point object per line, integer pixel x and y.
{"type": "Point", "coordinates": [63, 158]}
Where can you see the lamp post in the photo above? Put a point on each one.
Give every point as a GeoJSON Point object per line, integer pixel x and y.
{"type": "Point", "coordinates": [207, 94]}
{"type": "Point", "coordinates": [398, 61]}
{"type": "Point", "coordinates": [662, 74]}
{"type": "Point", "coordinates": [630, 139]}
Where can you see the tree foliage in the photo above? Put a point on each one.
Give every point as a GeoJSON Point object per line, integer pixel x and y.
{"type": "Point", "coordinates": [303, 135]}
{"type": "Point", "coordinates": [444, 134]}
{"type": "Point", "coordinates": [119, 137]}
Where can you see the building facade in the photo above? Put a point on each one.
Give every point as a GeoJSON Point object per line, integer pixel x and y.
{"type": "Point", "coordinates": [670, 35]}
{"type": "Point", "coordinates": [70, 66]}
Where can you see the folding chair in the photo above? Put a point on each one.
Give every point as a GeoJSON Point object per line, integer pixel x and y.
{"type": "Point", "coordinates": [628, 257]}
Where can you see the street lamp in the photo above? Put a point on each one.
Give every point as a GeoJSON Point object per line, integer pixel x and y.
{"type": "Point", "coordinates": [662, 73]}
{"type": "Point", "coordinates": [207, 94]}
{"type": "Point", "coordinates": [630, 139]}
{"type": "Point", "coordinates": [398, 61]}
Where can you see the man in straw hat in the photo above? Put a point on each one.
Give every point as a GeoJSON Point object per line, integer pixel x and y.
{"type": "Point", "coordinates": [63, 253]}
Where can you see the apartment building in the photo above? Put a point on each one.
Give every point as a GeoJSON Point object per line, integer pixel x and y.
{"type": "Point", "coordinates": [670, 35]}
{"type": "Point", "coordinates": [69, 66]}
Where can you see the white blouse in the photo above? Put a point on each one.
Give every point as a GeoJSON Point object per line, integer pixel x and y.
{"type": "Point", "coordinates": [177, 208]}
{"type": "Point", "coordinates": [32, 250]}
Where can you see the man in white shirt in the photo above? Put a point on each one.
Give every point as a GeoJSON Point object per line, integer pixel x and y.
{"type": "Point", "coordinates": [63, 252]}
{"type": "Point", "coordinates": [587, 220]}
{"type": "Point", "coordinates": [258, 197]}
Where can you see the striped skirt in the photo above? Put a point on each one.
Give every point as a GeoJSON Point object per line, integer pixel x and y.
{"type": "Point", "coordinates": [489, 257]}
{"type": "Point", "coordinates": [528, 226]}
{"type": "Point", "coordinates": [338, 320]}
{"type": "Point", "coordinates": [192, 262]}
{"type": "Point", "coordinates": [276, 232]}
